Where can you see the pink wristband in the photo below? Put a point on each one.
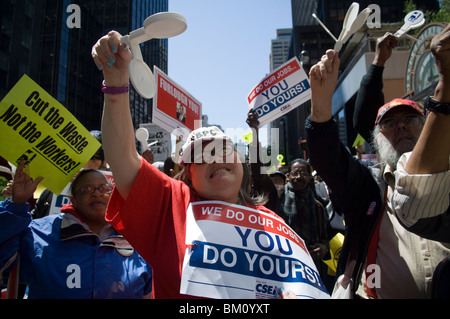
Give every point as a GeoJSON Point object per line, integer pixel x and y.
{"type": "Point", "coordinates": [114, 90]}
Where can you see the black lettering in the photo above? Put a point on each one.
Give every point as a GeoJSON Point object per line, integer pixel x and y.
{"type": "Point", "coordinates": [29, 100]}
{"type": "Point", "coordinates": [45, 143]}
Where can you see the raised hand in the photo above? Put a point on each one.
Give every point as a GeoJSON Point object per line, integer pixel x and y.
{"type": "Point", "coordinates": [113, 58]}
{"type": "Point", "coordinates": [252, 120]}
{"type": "Point", "coordinates": [440, 46]}
{"type": "Point", "coordinates": [323, 79]}
{"type": "Point", "coordinates": [23, 186]}
{"type": "Point", "coordinates": [383, 52]}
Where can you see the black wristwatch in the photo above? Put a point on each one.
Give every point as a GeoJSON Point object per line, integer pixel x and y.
{"type": "Point", "coordinates": [431, 104]}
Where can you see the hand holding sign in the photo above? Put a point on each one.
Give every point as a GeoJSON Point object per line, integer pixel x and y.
{"type": "Point", "coordinates": [413, 20]}
{"type": "Point", "coordinates": [157, 26]}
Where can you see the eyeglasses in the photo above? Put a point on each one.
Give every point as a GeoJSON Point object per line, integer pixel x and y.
{"type": "Point", "coordinates": [299, 173]}
{"type": "Point", "coordinates": [89, 189]}
{"type": "Point", "coordinates": [411, 121]}
{"type": "Point", "coordinates": [206, 154]}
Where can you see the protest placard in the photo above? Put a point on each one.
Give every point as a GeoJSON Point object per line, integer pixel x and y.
{"type": "Point", "coordinates": [280, 92]}
{"type": "Point", "coordinates": [38, 129]}
{"type": "Point", "coordinates": [239, 252]}
{"type": "Point", "coordinates": [159, 140]}
{"type": "Point", "coordinates": [174, 107]}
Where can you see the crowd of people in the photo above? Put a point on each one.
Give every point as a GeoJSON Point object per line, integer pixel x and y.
{"type": "Point", "coordinates": [130, 238]}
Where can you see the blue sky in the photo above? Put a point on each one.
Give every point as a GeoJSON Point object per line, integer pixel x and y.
{"type": "Point", "coordinates": [225, 52]}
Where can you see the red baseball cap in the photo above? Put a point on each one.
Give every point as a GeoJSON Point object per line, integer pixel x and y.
{"type": "Point", "coordinates": [394, 103]}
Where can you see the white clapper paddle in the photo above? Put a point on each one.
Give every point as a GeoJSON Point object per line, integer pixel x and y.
{"type": "Point", "coordinates": [352, 23]}
{"type": "Point", "coordinates": [157, 26]}
{"type": "Point", "coordinates": [142, 137]}
{"type": "Point", "coordinates": [413, 20]}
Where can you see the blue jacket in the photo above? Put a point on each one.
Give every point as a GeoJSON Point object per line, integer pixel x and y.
{"type": "Point", "coordinates": [61, 258]}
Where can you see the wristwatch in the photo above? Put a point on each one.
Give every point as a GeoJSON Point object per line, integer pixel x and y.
{"type": "Point", "coordinates": [431, 104]}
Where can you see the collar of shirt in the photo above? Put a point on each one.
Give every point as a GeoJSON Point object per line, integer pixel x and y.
{"type": "Point", "coordinates": [389, 175]}
{"type": "Point", "coordinates": [73, 226]}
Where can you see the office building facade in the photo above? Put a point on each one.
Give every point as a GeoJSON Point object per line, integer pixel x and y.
{"type": "Point", "coordinates": [51, 41]}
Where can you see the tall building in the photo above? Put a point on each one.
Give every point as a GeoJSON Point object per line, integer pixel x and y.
{"type": "Point", "coordinates": [279, 48]}
{"type": "Point", "coordinates": [279, 52]}
{"type": "Point", "coordinates": [38, 39]}
{"type": "Point", "coordinates": [20, 38]}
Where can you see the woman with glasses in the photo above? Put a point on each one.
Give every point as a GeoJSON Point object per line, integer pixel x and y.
{"type": "Point", "coordinates": [75, 254]}
{"type": "Point", "coordinates": [149, 208]}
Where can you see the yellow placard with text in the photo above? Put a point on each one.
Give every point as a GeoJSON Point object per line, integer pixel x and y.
{"type": "Point", "coordinates": [36, 128]}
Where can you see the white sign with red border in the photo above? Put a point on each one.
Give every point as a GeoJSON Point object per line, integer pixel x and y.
{"type": "Point", "coordinates": [240, 252]}
{"type": "Point", "coordinates": [280, 92]}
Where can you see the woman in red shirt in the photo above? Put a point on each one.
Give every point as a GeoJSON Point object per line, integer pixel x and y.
{"type": "Point", "coordinates": [148, 207]}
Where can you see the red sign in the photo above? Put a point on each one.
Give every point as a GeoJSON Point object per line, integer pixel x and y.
{"type": "Point", "coordinates": [173, 106]}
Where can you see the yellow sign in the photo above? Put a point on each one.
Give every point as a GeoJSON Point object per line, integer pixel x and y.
{"type": "Point", "coordinates": [335, 251]}
{"type": "Point", "coordinates": [38, 129]}
{"type": "Point", "coordinates": [359, 140]}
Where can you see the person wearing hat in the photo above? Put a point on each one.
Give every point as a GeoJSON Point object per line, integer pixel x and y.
{"type": "Point", "coordinates": [370, 95]}
{"type": "Point", "coordinates": [152, 214]}
{"type": "Point", "coordinates": [379, 257]}
{"type": "Point", "coordinates": [397, 128]}
{"type": "Point", "coordinates": [148, 207]}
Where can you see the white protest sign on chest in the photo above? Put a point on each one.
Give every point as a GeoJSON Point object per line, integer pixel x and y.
{"type": "Point", "coordinates": [280, 92]}
{"type": "Point", "coordinates": [239, 252]}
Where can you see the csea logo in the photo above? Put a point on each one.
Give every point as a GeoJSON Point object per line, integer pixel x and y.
{"type": "Point", "coordinates": [267, 290]}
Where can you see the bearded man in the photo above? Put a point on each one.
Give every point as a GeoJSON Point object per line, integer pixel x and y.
{"type": "Point", "coordinates": [380, 258]}
{"type": "Point", "coordinates": [397, 129]}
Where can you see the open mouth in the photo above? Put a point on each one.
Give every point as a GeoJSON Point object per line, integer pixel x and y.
{"type": "Point", "coordinates": [219, 171]}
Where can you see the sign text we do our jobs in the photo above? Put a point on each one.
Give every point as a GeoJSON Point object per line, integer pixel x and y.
{"type": "Point", "coordinates": [280, 92]}
{"type": "Point", "coordinates": [258, 255]}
